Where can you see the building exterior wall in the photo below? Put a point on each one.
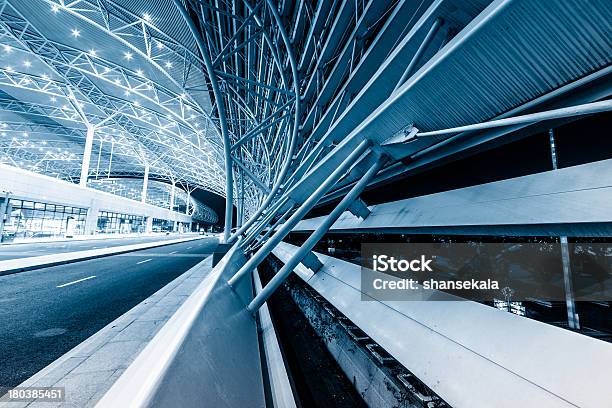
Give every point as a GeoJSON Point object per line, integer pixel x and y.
{"type": "Point", "coordinates": [23, 184]}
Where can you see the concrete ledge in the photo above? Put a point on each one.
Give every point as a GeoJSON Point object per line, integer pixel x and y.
{"type": "Point", "coordinates": [36, 262]}
{"type": "Point", "coordinates": [91, 368]}
{"type": "Point", "coordinates": [278, 378]}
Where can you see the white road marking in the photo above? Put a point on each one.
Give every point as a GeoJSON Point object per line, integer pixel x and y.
{"type": "Point", "coordinates": [146, 260]}
{"type": "Point", "coordinates": [76, 281]}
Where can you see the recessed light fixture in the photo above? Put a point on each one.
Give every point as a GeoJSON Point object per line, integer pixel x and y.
{"type": "Point", "coordinates": [128, 56]}
{"type": "Point", "coordinates": [75, 33]}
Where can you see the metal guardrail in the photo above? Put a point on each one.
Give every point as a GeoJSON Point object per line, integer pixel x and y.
{"type": "Point", "coordinates": [206, 354]}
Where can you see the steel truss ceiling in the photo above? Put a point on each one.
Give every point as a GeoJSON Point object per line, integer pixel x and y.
{"type": "Point", "coordinates": [260, 101]}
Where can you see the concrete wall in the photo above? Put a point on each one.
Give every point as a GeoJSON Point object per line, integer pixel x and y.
{"type": "Point", "coordinates": [23, 184]}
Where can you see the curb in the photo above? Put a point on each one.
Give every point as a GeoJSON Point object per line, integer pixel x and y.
{"type": "Point", "coordinates": [34, 266]}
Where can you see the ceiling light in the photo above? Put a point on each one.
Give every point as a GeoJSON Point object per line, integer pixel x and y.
{"type": "Point", "coordinates": [128, 56]}
{"type": "Point", "coordinates": [75, 33]}
{"type": "Point", "coordinates": [146, 17]}
{"type": "Point", "coordinates": [53, 99]}
{"type": "Point", "coordinates": [168, 64]}
{"type": "Point", "coordinates": [139, 72]}
{"type": "Point", "coordinates": [160, 45]}
{"type": "Point", "coordinates": [93, 53]}
{"type": "Point", "coordinates": [28, 64]}
{"type": "Point", "coordinates": [7, 48]}
{"type": "Point", "coordinates": [55, 8]}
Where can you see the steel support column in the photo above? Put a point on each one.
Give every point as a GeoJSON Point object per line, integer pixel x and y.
{"type": "Point", "coordinates": [86, 155]}
{"type": "Point", "coordinates": [568, 280]}
{"type": "Point", "coordinates": [3, 212]}
{"type": "Point", "coordinates": [172, 193]}
{"type": "Point", "coordinates": [572, 316]}
{"type": "Point", "coordinates": [188, 200]}
{"type": "Point", "coordinates": [145, 184]}
{"type": "Point", "coordinates": [229, 184]}
{"type": "Point", "coordinates": [295, 130]}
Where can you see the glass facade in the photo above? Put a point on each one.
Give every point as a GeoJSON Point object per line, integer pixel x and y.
{"type": "Point", "coordinates": [116, 223]}
{"type": "Point", "coordinates": [160, 225]}
{"type": "Point", "coordinates": [30, 219]}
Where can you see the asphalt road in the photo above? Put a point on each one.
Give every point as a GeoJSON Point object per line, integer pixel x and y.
{"type": "Point", "coordinates": [46, 312]}
{"type": "Point", "coordinates": [14, 251]}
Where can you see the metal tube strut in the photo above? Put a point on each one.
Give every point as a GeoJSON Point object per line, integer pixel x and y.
{"type": "Point", "coordinates": [315, 237]}
{"type": "Point", "coordinates": [417, 55]}
{"type": "Point", "coordinates": [300, 212]}
{"type": "Point", "coordinates": [584, 109]}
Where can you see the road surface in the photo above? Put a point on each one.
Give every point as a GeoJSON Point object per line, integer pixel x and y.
{"type": "Point", "coordinates": [46, 312]}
